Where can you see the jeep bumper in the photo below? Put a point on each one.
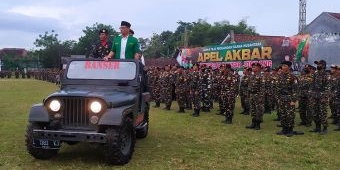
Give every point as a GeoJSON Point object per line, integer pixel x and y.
{"type": "Point", "coordinates": [69, 135]}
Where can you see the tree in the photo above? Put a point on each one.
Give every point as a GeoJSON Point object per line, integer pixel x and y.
{"type": "Point", "coordinates": [86, 42]}
{"type": "Point", "coordinates": [51, 49]}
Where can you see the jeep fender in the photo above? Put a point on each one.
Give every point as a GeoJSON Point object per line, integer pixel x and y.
{"type": "Point", "coordinates": [114, 116]}
{"type": "Point", "coordinates": [38, 113]}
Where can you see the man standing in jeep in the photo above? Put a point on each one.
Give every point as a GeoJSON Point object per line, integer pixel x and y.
{"type": "Point", "coordinates": [124, 46]}
{"type": "Point", "coordinates": [103, 47]}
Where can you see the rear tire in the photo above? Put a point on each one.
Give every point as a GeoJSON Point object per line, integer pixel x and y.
{"type": "Point", "coordinates": [120, 143]}
{"type": "Point", "coordinates": [37, 152]}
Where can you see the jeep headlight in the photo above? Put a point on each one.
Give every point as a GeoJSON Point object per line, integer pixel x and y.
{"type": "Point", "coordinates": [96, 107]}
{"type": "Point", "coordinates": [55, 105]}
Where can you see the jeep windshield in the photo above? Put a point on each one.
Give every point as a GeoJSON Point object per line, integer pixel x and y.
{"type": "Point", "coordinates": [101, 70]}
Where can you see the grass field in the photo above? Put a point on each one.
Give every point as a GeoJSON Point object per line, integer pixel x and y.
{"type": "Point", "coordinates": [175, 141]}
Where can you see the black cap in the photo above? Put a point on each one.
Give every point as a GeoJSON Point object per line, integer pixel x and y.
{"type": "Point", "coordinates": [256, 64]}
{"type": "Point", "coordinates": [131, 32]}
{"type": "Point", "coordinates": [125, 24]}
{"type": "Point", "coordinates": [323, 62]}
{"type": "Point", "coordinates": [103, 31]}
{"type": "Point", "coordinates": [288, 63]}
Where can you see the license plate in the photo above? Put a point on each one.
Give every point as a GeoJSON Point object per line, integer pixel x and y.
{"type": "Point", "coordinates": [46, 144]}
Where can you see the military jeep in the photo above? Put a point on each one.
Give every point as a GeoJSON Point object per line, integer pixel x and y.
{"type": "Point", "coordinates": [99, 102]}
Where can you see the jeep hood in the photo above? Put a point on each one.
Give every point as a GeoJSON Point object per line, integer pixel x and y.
{"type": "Point", "coordinates": [113, 98]}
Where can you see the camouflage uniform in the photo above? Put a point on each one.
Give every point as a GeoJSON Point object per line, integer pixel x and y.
{"type": "Point", "coordinates": [336, 95]}
{"type": "Point", "coordinates": [275, 97]}
{"type": "Point", "coordinates": [187, 96]}
{"type": "Point", "coordinates": [320, 92]}
{"type": "Point", "coordinates": [196, 91]}
{"type": "Point", "coordinates": [305, 82]}
{"type": "Point", "coordinates": [206, 90]}
{"type": "Point", "coordinates": [166, 88]}
{"type": "Point", "coordinates": [256, 99]}
{"type": "Point", "coordinates": [332, 104]}
{"type": "Point", "coordinates": [180, 84]}
{"type": "Point", "coordinates": [228, 91]}
{"type": "Point", "coordinates": [101, 50]}
{"type": "Point", "coordinates": [268, 94]}
{"type": "Point", "coordinates": [244, 94]}
{"type": "Point", "coordinates": [287, 87]}
{"type": "Point", "coordinates": [156, 87]}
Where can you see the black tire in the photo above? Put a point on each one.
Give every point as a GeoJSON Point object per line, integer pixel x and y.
{"type": "Point", "coordinates": [37, 152]}
{"type": "Point", "coordinates": [120, 143]}
{"type": "Point", "coordinates": [143, 133]}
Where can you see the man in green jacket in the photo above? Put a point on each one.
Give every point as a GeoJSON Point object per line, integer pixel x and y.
{"type": "Point", "coordinates": [124, 46]}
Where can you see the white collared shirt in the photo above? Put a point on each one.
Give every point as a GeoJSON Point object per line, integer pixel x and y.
{"type": "Point", "coordinates": [123, 47]}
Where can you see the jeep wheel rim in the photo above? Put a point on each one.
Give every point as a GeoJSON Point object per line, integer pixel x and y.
{"type": "Point", "coordinates": [125, 143]}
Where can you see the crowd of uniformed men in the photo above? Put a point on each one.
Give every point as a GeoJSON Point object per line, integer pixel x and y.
{"type": "Point", "coordinates": [49, 75]}
{"type": "Point", "coordinates": [261, 90]}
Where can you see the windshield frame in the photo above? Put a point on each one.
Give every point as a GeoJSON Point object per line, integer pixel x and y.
{"type": "Point", "coordinates": [99, 82]}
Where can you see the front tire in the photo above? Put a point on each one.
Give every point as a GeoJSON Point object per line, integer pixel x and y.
{"type": "Point", "coordinates": [37, 152]}
{"type": "Point", "coordinates": [120, 143]}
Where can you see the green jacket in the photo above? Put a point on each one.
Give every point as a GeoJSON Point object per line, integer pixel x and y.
{"type": "Point", "coordinates": [132, 47]}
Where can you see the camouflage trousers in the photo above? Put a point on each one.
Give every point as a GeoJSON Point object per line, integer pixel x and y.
{"type": "Point", "coordinates": [196, 99]}
{"type": "Point", "coordinates": [167, 96]}
{"type": "Point", "coordinates": [332, 106]}
{"type": "Point", "coordinates": [337, 109]}
{"type": "Point", "coordinates": [244, 101]}
{"type": "Point", "coordinates": [187, 98]}
{"type": "Point", "coordinates": [287, 111]}
{"type": "Point", "coordinates": [206, 98]}
{"type": "Point", "coordinates": [305, 109]}
{"type": "Point", "coordinates": [155, 94]}
{"type": "Point", "coordinates": [181, 97]}
{"type": "Point", "coordinates": [228, 104]}
{"type": "Point", "coordinates": [268, 102]}
{"type": "Point", "coordinates": [319, 107]}
{"type": "Point", "coordinates": [256, 103]}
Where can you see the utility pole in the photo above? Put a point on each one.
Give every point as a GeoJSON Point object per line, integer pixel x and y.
{"type": "Point", "coordinates": [186, 37]}
{"type": "Point", "coordinates": [302, 16]}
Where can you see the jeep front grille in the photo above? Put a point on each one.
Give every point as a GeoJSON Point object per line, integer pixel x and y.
{"type": "Point", "coordinates": [75, 112]}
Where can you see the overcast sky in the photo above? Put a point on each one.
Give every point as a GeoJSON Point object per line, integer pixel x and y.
{"type": "Point", "coordinates": [21, 21]}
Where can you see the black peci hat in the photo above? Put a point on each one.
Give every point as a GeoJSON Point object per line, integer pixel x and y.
{"type": "Point", "coordinates": [103, 31]}
{"type": "Point", "coordinates": [288, 63]}
{"type": "Point", "coordinates": [320, 62]}
{"type": "Point", "coordinates": [125, 24]}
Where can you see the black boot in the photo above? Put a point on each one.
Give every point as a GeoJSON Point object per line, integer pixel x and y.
{"type": "Point", "coordinates": [189, 107]}
{"type": "Point", "coordinates": [290, 132]}
{"type": "Point", "coordinates": [196, 113]}
{"type": "Point", "coordinates": [181, 110]}
{"type": "Point", "coordinates": [252, 126]}
{"type": "Point", "coordinates": [227, 121]}
{"type": "Point", "coordinates": [282, 132]}
{"type": "Point", "coordinates": [338, 127]}
{"type": "Point", "coordinates": [158, 104]}
{"type": "Point", "coordinates": [257, 125]}
{"type": "Point", "coordinates": [317, 128]}
{"type": "Point", "coordinates": [324, 131]}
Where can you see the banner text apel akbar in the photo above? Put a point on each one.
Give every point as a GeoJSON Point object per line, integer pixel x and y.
{"type": "Point", "coordinates": [237, 54]}
{"type": "Point", "coordinates": [267, 50]}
